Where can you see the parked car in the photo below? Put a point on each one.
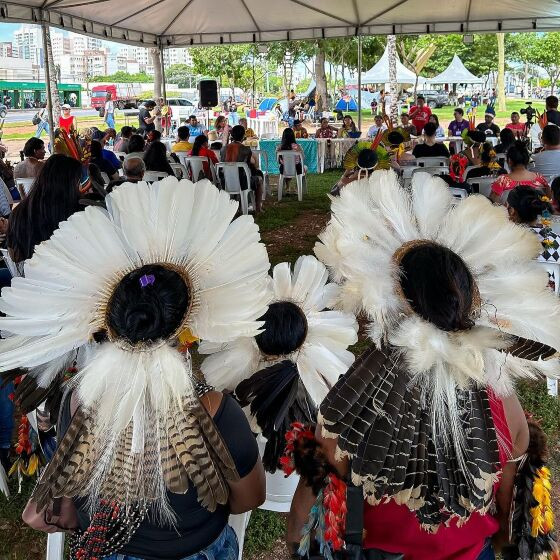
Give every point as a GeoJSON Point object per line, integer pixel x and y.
{"type": "Point", "coordinates": [3, 110]}
{"type": "Point", "coordinates": [181, 108]}
{"type": "Point", "coordinates": [434, 98]}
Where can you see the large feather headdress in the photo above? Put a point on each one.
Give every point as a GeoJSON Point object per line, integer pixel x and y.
{"type": "Point", "coordinates": [140, 429]}
{"type": "Point", "coordinates": [287, 387]}
{"type": "Point", "coordinates": [424, 386]}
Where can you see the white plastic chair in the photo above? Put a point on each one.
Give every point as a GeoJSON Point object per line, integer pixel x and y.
{"type": "Point", "coordinates": [10, 264]}
{"type": "Point", "coordinates": [120, 155]}
{"type": "Point", "coordinates": [24, 186]}
{"type": "Point", "coordinates": [179, 169]}
{"type": "Point", "coordinates": [289, 162]}
{"type": "Point", "coordinates": [431, 170]}
{"type": "Point", "coordinates": [196, 166]}
{"type": "Point", "coordinates": [105, 178]}
{"type": "Point", "coordinates": [55, 546]}
{"type": "Point", "coordinates": [151, 176]}
{"type": "Point", "coordinates": [553, 269]}
{"type": "Point", "coordinates": [263, 166]}
{"type": "Point", "coordinates": [459, 193]}
{"type": "Point", "coordinates": [232, 183]}
{"type": "Point", "coordinates": [483, 184]}
{"type": "Point", "coordinates": [432, 162]}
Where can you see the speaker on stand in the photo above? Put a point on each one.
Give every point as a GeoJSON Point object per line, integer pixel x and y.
{"type": "Point", "coordinates": [208, 95]}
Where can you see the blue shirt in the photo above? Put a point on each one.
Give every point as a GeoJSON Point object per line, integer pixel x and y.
{"type": "Point", "coordinates": [111, 158]}
{"type": "Point", "coordinates": [195, 130]}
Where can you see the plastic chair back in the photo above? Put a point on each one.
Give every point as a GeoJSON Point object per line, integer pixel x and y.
{"type": "Point", "coordinates": [232, 181]}
{"type": "Point", "coordinates": [196, 166]}
{"type": "Point", "coordinates": [179, 169]}
{"type": "Point", "coordinates": [430, 170]}
{"type": "Point", "coordinates": [152, 176]}
{"type": "Point", "coordinates": [459, 193]}
{"type": "Point", "coordinates": [10, 264]}
{"type": "Point", "coordinates": [24, 186]}
{"type": "Point", "coordinates": [482, 185]}
{"type": "Point", "coordinates": [432, 162]}
{"type": "Point", "coordinates": [289, 159]}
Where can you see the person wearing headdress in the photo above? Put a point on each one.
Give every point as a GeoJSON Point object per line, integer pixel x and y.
{"type": "Point", "coordinates": [150, 462]}
{"type": "Point", "coordinates": [474, 139]}
{"type": "Point", "coordinates": [426, 422]}
{"type": "Point", "coordinates": [488, 126]}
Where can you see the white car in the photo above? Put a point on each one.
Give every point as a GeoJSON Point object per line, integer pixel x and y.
{"type": "Point", "coordinates": [181, 108]}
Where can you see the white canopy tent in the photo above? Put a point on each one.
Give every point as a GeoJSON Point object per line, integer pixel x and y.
{"type": "Point", "coordinates": [456, 73]}
{"type": "Point", "coordinates": [379, 73]}
{"type": "Point", "coordinates": [203, 22]}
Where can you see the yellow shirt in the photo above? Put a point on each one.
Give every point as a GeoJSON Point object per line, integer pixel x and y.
{"type": "Point", "coordinates": [250, 133]}
{"type": "Point", "coordinates": [181, 146]}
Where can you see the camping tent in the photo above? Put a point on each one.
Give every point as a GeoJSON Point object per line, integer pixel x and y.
{"type": "Point", "coordinates": [456, 73]}
{"type": "Point", "coordinates": [175, 23]}
{"type": "Point", "coordinates": [346, 103]}
{"type": "Point", "coordinates": [268, 104]}
{"type": "Point", "coordinates": [379, 73]}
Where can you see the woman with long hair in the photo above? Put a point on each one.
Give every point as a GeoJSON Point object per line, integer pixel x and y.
{"type": "Point", "coordinates": [200, 148]}
{"type": "Point", "coordinates": [518, 158]}
{"type": "Point", "coordinates": [289, 143]}
{"type": "Point", "coordinates": [155, 158]}
{"type": "Point", "coordinates": [348, 127]}
{"type": "Point", "coordinates": [488, 164]}
{"type": "Point", "coordinates": [53, 198]}
{"type": "Point", "coordinates": [507, 140]}
{"type": "Point", "coordinates": [222, 129]}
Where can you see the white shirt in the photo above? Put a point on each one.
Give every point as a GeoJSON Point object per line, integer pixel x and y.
{"type": "Point", "coordinates": [109, 107]}
{"type": "Point", "coordinates": [372, 132]}
{"type": "Point", "coordinates": [547, 163]}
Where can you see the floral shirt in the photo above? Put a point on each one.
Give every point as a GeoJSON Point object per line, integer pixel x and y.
{"type": "Point", "coordinates": [504, 183]}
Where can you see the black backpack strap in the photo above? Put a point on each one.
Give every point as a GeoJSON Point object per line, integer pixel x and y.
{"type": "Point", "coordinates": [354, 515]}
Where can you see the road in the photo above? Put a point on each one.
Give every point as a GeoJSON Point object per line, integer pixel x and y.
{"type": "Point", "coordinates": [27, 115]}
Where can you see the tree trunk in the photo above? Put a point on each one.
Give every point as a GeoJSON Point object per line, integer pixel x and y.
{"type": "Point", "coordinates": [320, 79]}
{"type": "Point", "coordinates": [392, 52]}
{"type": "Point", "coordinates": [500, 86]}
{"type": "Point", "coordinates": [53, 85]}
{"type": "Point", "coordinates": [156, 61]}
{"type": "Point", "coordinates": [526, 82]}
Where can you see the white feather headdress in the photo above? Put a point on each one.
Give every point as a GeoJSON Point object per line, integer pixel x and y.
{"type": "Point", "coordinates": [136, 398]}
{"type": "Point", "coordinates": [374, 218]}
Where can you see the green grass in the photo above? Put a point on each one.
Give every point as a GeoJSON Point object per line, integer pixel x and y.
{"type": "Point", "coordinates": [264, 530]}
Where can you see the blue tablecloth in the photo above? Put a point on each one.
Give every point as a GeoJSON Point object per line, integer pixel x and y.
{"type": "Point", "coordinates": [309, 147]}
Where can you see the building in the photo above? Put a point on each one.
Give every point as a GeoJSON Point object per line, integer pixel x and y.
{"type": "Point", "coordinates": [28, 44]}
{"type": "Point", "coordinates": [15, 69]}
{"type": "Point", "coordinates": [95, 62]}
{"type": "Point", "coordinates": [6, 50]}
{"type": "Point", "coordinates": [73, 68]}
{"type": "Point", "coordinates": [177, 56]}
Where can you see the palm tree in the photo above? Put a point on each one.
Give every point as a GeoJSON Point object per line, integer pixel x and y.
{"type": "Point", "coordinates": [500, 86]}
{"type": "Point", "coordinates": [52, 81]}
{"type": "Point", "coordinates": [392, 55]}
{"type": "Point", "coordinates": [158, 79]}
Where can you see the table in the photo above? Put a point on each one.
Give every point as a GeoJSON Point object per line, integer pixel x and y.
{"type": "Point", "coordinates": [331, 152]}
{"type": "Point", "coordinates": [309, 147]}
{"type": "Point", "coordinates": [264, 125]}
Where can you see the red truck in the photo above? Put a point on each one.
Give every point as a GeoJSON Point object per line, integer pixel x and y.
{"type": "Point", "coordinates": [125, 96]}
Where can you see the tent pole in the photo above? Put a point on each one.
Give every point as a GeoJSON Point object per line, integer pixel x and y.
{"type": "Point", "coordinates": [359, 82]}
{"type": "Point", "coordinates": [47, 61]}
{"type": "Point", "coordinates": [162, 63]}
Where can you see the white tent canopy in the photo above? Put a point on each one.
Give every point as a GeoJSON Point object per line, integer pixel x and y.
{"type": "Point", "coordinates": [379, 73]}
{"type": "Point", "coordinates": [456, 73]}
{"type": "Point", "coordinates": [204, 22]}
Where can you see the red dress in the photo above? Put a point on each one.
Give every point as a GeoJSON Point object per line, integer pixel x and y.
{"type": "Point", "coordinates": [504, 183]}
{"type": "Point", "coordinates": [66, 123]}
{"type": "Point", "coordinates": [394, 528]}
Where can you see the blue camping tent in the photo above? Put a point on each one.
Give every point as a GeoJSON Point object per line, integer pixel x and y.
{"type": "Point", "coordinates": [346, 103]}
{"type": "Point", "coordinates": [268, 104]}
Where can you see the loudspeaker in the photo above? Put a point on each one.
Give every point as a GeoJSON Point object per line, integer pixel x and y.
{"type": "Point", "coordinates": [208, 93]}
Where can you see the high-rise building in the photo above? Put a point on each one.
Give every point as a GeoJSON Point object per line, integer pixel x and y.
{"type": "Point", "coordinates": [95, 62]}
{"type": "Point", "coordinates": [177, 56]}
{"type": "Point", "coordinates": [6, 50]}
{"type": "Point", "coordinates": [28, 43]}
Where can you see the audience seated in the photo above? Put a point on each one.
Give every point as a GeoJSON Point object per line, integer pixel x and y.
{"type": "Point", "coordinates": [152, 136]}
{"type": "Point", "coordinates": [519, 175]}
{"type": "Point", "coordinates": [407, 126]}
{"type": "Point", "coordinates": [378, 126]}
{"type": "Point", "coordinates": [249, 132]}
{"type": "Point", "coordinates": [325, 130]}
{"type": "Point", "coordinates": [299, 130]}
{"type": "Point", "coordinates": [155, 158]}
{"type": "Point", "coordinates": [195, 129]}
{"type": "Point", "coordinates": [237, 152]}
{"type": "Point", "coordinates": [517, 127]}
{"type": "Point", "coordinates": [488, 126]}
{"type": "Point", "coordinates": [182, 144]}
{"type": "Point", "coordinates": [440, 133]}
{"type": "Point", "coordinates": [507, 139]}
{"type": "Point", "coordinates": [200, 148]}
{"type": "Point", "coordinates": [488, 165]}
{"type": "Point", "coordinates": [133, 171]}
{"type": "Point", "coordinates": [547, 162]}
{"type": "Point", "coordinates": [136, 146]}
{"type": "Point", "coordinates": [34, 152]}
{"type": "Point", "coordinates": [103, 165]}
{"type": "Point", "coordinates": [431, 147]}
{"type": "Point", "coordinates": [121, 144]}
{"type": "Point", "coordinates": [348, 128]}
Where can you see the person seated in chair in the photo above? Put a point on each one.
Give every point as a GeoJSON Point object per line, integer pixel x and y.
{"type": "Point", "coordinates": [431, 147]}
{"type": "Point", "coordinates": [299, 130]}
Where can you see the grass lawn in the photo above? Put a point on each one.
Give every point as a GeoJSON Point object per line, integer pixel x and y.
{"type": "Point", "coordinates": [289, 229]}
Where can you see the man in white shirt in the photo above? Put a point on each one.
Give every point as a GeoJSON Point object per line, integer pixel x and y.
{"type": "Point", "coordinates": [379, 125]}
{"type": "Point", "coordinates": [547, 162]}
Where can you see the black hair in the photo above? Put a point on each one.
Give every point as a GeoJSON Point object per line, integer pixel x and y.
{"type": "Point", "coordinates": [126, 131]}
{"type": "Point", "coordinates": [485, 153]}
{"type": "Point", "coordinates": [155, 158]}
{"type": "Point", "coordinates": [439, 286]}
{"type": "Point", "coordinates": [552, 102]}
{"type": "Point", "coordinates": [149, 103]}
{"type": "Point", "coordinates": [288, 138]}
{"type": "Point", "coordinates": [435, 117]}
{"type": "Point", "coordinates": [395, 138]}
{"type": "Point", "coordinates": [183, 132]}
{"type": "Point", "coordinates": [418, 97]}
{"type": "Point", "coordinates": [192, 117]}
{"type": "Point", "coordinates": [136, 144]}
{"type": "Point", "coordinates": [477, 136]}
{"type": "Point", "coordinates": [31, 146]}
{"type": "Point", "coordinates": [148, 304]}
{"type": "Point", "coordinates": [551, 135]}
{"type": "Point", "coordinates": [518, 154]}
{"type": "Point", "coordinates": [155, 135]}
{"type": "Point", "coordinates": [199, 141]}
{"type": "Point", "coordinates": [367, 159]}
{"type": "Point", "coordinates": [96, 149]}
{"type": "Point", "coordinates": [515, 113]}
{"type": "Point", "coordinates": [285, 329]}
{"type": "Point", "coordinates": [237, 133]}
{"type": "Point", "coordinates": [528, 203]}
{"type": "Point", "coordinates": [53, 198]}
{"type": "Point", "coordinates": [507, 137]}
{"type": "Point", "coordinates": [460, 111]}
{"type": "Point", "coordinates": [556, 190]}
{"type": "Point", "coordinates": [430, 129]}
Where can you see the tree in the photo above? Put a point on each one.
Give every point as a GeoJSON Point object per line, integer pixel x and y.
{"type": "Point", "coordinates": [321, 78]}
{"type": "Point", "coordinates": [52, 85]}
{"type": "Point", "coordinates": [288, 53]}
{"type": "Point", "coordinates": [158, 72]}
{"type": "Point", "coordinates": [230, 61]}
{"type": "Point", "coordinates": [544, 53]}
{"type": "Point", "coordinates": [180, 74]}
{"type": "Point", "coordinates": [122, 78]}
{"type": "Point", "coordinates": [414, 55]}
{"type": "Point", "coordinates": [520, 48]}
{"type": "Point", "coordinates": [500, 86]}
